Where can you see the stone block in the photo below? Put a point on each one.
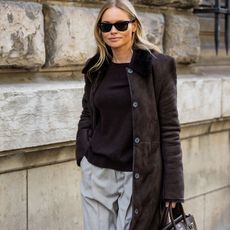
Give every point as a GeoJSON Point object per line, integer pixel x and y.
{"type": "Point", "coordinates": [217, 210]}
{"type": "Point", "coordinates": [226, 97]}
{"type": "Point", "coordinates": [223, 124]}
{"type": "Point", "coordinates": [35, 114]}
{"type": "Point", "coordinates": [21, 34]}
{"type": "Point", "coordinates": [172, 3]}
{"type": "Point", "coordinates": [153, 25]}
{"type": "Point", "coordinates": [69, 34]}
{"type": "Point", "coordinates": [54, 197]}
{"type": "Point", "coordinates": [194, 129]}
{"type": "Point", "coordinates": [13, 201]}
{"type": "Point", "coordinates": [204, 127]}
{"type": "Point", "coordinates": [196, 207]}
{"type": "Point", "coordinates": [207, 2]}
{"type": "Point", "coordinates": [206, 163]}
{"type": "Point", "coordinates": [36, 157]}
{"type": "Point", "coordinates": [199, 98]}
{"type": "Point", "coordinates": [179, 41]}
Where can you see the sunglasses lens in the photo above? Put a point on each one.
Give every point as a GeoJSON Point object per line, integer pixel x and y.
{"type": "Point", "coordinates": [121, 26]}
{"type": "Point", "coordinates": [105, 27]}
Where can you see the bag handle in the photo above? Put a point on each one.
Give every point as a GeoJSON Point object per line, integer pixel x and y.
{"type": "Point", "coordinates": [168, 212]}
{"type": "Point", "coordinates": [181, 212]}
{"type": "Point", "coordinates": [171, 216]}
{"type": "Point", "coordinates": [165, 217]}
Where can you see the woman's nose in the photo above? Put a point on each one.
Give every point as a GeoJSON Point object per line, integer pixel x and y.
{"type": "Point", "coordinates": [113, 29]}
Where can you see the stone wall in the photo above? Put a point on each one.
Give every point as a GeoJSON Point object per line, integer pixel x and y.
{"type": "Point", "coordinates": [21, 34]}
{"type": "Point", "coordinates": [43, 45]}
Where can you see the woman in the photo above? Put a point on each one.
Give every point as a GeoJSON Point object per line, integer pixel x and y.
{"type": "Point", "coordinates": [128, 143]}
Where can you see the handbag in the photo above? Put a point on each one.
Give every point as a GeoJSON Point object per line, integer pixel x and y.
{"type": "Point", "coordinates": [182, 222]}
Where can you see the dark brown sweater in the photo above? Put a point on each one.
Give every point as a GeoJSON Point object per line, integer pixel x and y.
{"type": "Point", "coordinates": [111, 143]}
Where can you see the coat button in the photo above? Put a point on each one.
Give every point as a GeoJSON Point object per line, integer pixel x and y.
{"type": "Point", "coordinates": [137, 140]}
{"type": "Point", "coordinates": [135, 104]}
{"type": "Point", "coordinates": [136, 211]}
{"type": "Point", "coordinates": [129, 70]}
{"type": "Point", "coordinates": [137, 175]}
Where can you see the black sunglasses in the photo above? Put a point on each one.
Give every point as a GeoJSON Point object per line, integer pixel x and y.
{"type": "Point", "coordinates": [120, 26]}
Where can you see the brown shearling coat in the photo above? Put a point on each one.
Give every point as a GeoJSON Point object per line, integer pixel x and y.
{"type": "Point", "coordinates": [157, 158]}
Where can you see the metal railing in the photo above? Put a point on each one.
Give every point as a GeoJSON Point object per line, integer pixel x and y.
{"type": "Point", "coordinates": [218, 9]}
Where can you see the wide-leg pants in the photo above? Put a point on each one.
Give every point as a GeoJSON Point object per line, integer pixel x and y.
{"type": "Point", "coordinates": [106, 197]}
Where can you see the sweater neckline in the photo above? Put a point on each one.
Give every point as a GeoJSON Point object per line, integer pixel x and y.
{"type": "Point", "coordinates": [120, 64]}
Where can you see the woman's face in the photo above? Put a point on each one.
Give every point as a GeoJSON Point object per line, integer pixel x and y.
{"type": "Point", "coordinates": [114, 38]}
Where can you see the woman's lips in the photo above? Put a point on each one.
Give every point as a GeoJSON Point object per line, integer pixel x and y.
{"type": "Point", "coordinates": [114, 39]}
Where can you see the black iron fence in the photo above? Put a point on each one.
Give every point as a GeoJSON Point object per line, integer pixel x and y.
{"type": "Point", "coordinates": [218, 8]}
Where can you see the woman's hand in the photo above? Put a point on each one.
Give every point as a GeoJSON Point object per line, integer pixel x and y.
{"type": "Point", "coordinates": [173, 204]}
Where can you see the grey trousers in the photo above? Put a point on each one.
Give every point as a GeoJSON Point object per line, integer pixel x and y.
{"type": "Point", "coordinates": [106, 197]}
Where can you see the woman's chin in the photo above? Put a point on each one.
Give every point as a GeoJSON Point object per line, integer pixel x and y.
{"type": "Point", "coordinates": [114, 45]}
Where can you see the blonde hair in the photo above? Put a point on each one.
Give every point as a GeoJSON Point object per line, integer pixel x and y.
{"type": "Point", "coordinates": [139, 40]}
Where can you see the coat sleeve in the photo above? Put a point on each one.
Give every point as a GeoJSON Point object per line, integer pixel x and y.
{"type": "Point", "coordinates": [84, 124]}
{"type": "Point", "coordinates": [173, 182]}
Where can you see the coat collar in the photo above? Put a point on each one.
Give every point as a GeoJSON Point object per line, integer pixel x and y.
{"type": "Point", "coordinates": [141, 62]}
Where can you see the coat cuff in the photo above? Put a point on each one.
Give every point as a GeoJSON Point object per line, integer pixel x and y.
{"type": "Point", "coordinates": [174, 200]}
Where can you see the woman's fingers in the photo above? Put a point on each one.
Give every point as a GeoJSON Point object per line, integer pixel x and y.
{"type": "Point", "coordinates": [173, 204]}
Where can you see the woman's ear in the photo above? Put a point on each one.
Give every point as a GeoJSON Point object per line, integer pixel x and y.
{"type": "Point", "coordinates": [134, 26]}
